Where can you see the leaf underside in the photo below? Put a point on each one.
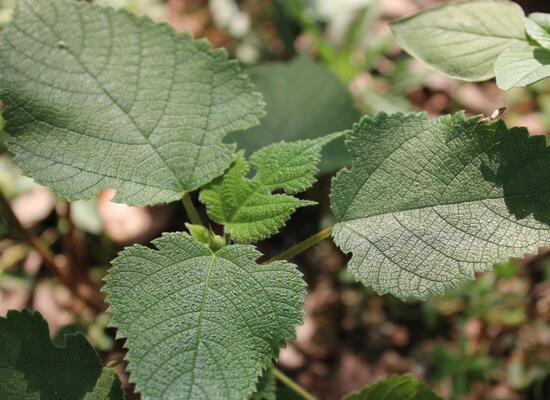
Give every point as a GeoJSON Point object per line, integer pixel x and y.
{"type": "Point", "coordinates": [32, 367]}
{"type": "Point", "coordinates": [201, 325]}
{"type": "Point", "coordinates": [537, 26]}
{"type": "Point", "coordinates": [522, 66]}
{"type": "Point", "coordinates": [462, 39]}
{"type": "Point", "coordinates": [403, 387]}
{"type": "Point", "coordinates": [100, 98]}
{"type": "Point", "coordinates": [429, 202]}
{"type": "Point", "coordinates": [246, 207]}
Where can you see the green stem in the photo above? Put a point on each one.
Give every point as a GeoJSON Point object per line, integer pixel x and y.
{"type": "Point", "coordinates": [302, 246]}
{"type": "Point", "coordinates": [292, 385]}
{"type": "Point", "coordinates": [191, 210]}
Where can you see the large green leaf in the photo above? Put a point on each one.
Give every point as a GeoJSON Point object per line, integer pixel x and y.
{"type": "Point", "coordinates": [429, 202]}
{"type": "Point", "coordinates": [403, 387]}
{"type": "Point", "coordinates": [201, 325]}
{"type": "Point", "coordinates": [522, 66]}
{"type": "Point", "coordinates": [304, 100]}
{"type": "Point", "coordinates": [100, 98]}
{"type": "Point", "coordinates": [246, 207]}
{"type": "Point", "coordinates": [538, 28]}
{"type": "Point", "coordinates": [462, 39]}
{"type": "Point", "coordinates": [32, 367]}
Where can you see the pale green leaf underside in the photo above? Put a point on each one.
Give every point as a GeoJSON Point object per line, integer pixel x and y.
{"type": "Point", "coordinates": [522, 66]}
{"type": "Point", "coordinates": [201, 325]}
{"type": "Point", "coordinates": [402, 387]}
{"type": "Point", "coordinates": [537, 27]}
{"type": "Point", "coordinates": [33, 368]}
{"type": "Point", "coordinates": [100, 98]}
{"type": "Point", "coordinates": [246, 207]}
{"type": "Point", "coordinates": [429, 202]}
{"type": "Point", "coordinates": [304, 100]}
{"type": "Point", "coordinates": [462, 39]}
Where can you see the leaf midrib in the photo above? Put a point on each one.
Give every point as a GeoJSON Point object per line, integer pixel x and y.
{"type": "Point", "coordinates": [108, 95]}
{"type": "Point", "coordinates": [200, 324]}
{"type": "Point", "coordinates": [446, 204]}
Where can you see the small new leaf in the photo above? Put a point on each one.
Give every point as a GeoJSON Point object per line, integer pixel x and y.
{"type": "Point", "coordinates": [201, 325]}
{"type": "Point", "coordinates": [33, 368]}
{"type": "Point", "coordinates": [462, 39]}
{"type": "Point", "coordinates": [99, 98]}
{"type": "Point", "coordinates": [396, 387]}
{"type": "Point", "coordinates": [304, 100]}
{"type": "Point", "coordinates": [428, 203]}
{"type": "Point", "coordinates": [266, 388]}
{"type": "Point", "coordinates": [246, 207]}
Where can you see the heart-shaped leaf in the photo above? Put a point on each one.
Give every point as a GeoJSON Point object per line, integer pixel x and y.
{"type": "Point", "coordinates": [201, 324]}
{"type": "Point", "coordinates": [99, 98]}
{"type": "Point", "coordinates": [429, 202]}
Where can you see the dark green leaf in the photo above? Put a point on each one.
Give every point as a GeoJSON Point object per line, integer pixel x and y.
{"type": "Point", "coordinates": [304, 101]}
{"type": "Point", "coordinates": [33, 368]}
{"type": "Point", "coordinates": [403, 387]}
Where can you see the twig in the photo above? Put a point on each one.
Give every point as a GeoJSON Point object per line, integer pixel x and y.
{"type": "Point", "coordinates": [84, 293]}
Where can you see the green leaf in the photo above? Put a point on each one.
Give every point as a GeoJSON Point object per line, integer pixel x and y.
{"type": "Point", "coordinates": [100, 98]}
{"type": "Point", "coordinates": [201, 325]}
{"type": "Point", "coordinates": [266, 389]}
{"type": "Point", "coordinates": [246, 207]}
{"type": "Point", "coordinates": [538, 28]}
{"type": "Point", "coordinates": [32, 367]}
{"type": "Point", "coordinates": [429, 202]}
{"type": "Point", "coordinates": [396, 387]}
{"type": "Point", "coordinates": [305, 100]}
{"type": "Point", "coordinates": [462, 40]}
{"type": "Point", "coordinates": [522, 66]}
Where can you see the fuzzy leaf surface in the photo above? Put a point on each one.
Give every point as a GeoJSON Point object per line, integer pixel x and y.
{"type": "Point", "coordinates": [522, 66]}
{"type": "Point", "coordinates": [463, 39]}
{"type": "Point", "coordinates": [33, 368]}
{"type": "Point", "coordinates": [403, 387]}
{"type": "Point", "coordinates": [246, 207]}
{"type": "Point", "coordinates": [99, 98]}
{"type": "Point", "coordinates": [304, 100]}
{"type": "Point", "coordinates": [429, 202]}
{"type": "Point", "coordinates": [201, 325]}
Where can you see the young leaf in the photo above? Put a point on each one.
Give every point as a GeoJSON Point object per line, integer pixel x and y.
{"type": "Point", "coordinates": [32, 367]}
{"type": "Point", "coordinates": [100, 98]}
{"type": "Point", "coordinates": [429, 202]}
{"type": "Point", "coordinates": [305, 100]}
{"type": "Point", "coordinates": [266, 389]}
{"type": "Point", "coordinates": [396, 387]}
{"type": "Point", "coordinates": [463, 39]}
{"type": "Point", "coordinates": [522, 66]}
{"type": "Point", "coordinates": [201, 325]}
{"type": "Point", "coordinates": [538, 28]}
{"type": "Point", "coordinates": [246, 207]}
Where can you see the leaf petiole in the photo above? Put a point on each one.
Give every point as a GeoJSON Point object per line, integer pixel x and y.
{"type": "Point", "coordinates": [302, 246]}
{"type": "Point", "coordinates": [292, 385]}
{"type": "Point", "coordinates": [191, 210]}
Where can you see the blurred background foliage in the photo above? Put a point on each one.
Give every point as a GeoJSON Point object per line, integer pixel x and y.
{"type": "Point", "coordinates": [320, 64]}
